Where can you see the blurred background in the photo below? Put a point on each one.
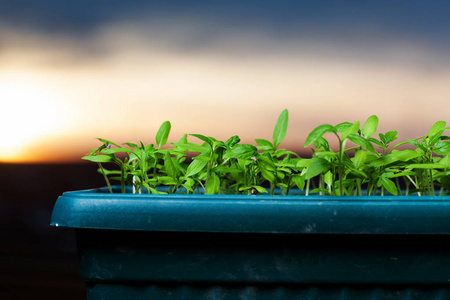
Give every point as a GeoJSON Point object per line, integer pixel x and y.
{"type": "Point", "coordinates": [72, 71]}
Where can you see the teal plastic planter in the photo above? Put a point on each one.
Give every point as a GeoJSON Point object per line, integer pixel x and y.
{"type": "Point", "coordinates": [259, 247]}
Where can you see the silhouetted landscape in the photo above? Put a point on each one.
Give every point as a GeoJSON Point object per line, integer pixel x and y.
{"type": "Point", "coordinates": [38, 261]}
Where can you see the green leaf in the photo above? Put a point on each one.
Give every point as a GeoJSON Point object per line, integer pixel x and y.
{"type": "Point", "coordinates": [326, 154]}
{"type": "Point", "coordinates": [445, 161]}
{"type": "Point", "coordinates": [267, 168]}
{"type": "Point", "coordinates": [98, 158]}
{"type": "Point", "coordinates": [304, 162]}
{"type": "Point", "coordinates": [224, 170]}
{"type": "Point", "coordinates": [388, 184]}
{"type": "Point", "coordinates": [317, 133]}
{"type": "Point", "coordinates": [163, 134]}
{"type": "Point", "coordinates": [351, 130]}
{"type": "Point", "coordinates": [394, 156]}
{"type": "Point", "coordinates": [213, 184]}
{"type": "Point", "coordinates": [360, 158]}
{"type": "Point", "coordinates": [116, 150]}
{"type": "Point", "coordinates": [376, 142]}
{"type": "Point", "coordinates": [218, 144]}
{"type": "Point", "coordinates": [203, 138]}
{"type": "Point", "coordinates": [191, 147]}
{"type": "Point", "coordinates": [388, 137]}
{"type": "Point", "coordinates": [322, 144]}
{"type": "Point", "coordinates": [342, 126]}
{"type": "Point", "coordinates": [360, 141]}
{"type": "Point", "coordinates": [286, 153]}
{"type": "Point", "coordinates": [232, 141]}
{"type": "Point", "coordinates": [196, 166]}
{"type": "Point", "coordinates": [241, 151]}
{"type": "Point", "coordinates": [370, 126]}
{"type": "Point", "coordinates": [418, 145]}
{"type": "Point", "coordinates": [167, 180]}
{"type": "Point", "coordinates": [404, 155]}
{"type": "Point", "coordinates": [318, 166]}
{"type": "Point", "coordinates": [108, 172]}
{"type": "Point", "coordinates": [436, 130]}
{"type": "Point", "coordinates": [280, 129]}
{"type": "Point", "coordinates": [328, 179]}
{"type": "Point", "coordinates": [267, 145]}
{"type": "Point", "coordinates": [106, 142]}
{"type": "Point", "coordinates": [382, 161]}
{"type": "Point", "coordinates": [169, 165]}
{"type": "Point", "coordinates": [188, 184]}
{"type": "Point", "coordinates": [153, 190]}
{"type": "Point", "coordinates": [299, 181]}
{"type": "Point", "coordinates": [260, 189]}
{"type": "Point", "coordinates": [425, 166]}
{"type": "Point", "coordinates": [183, 139]}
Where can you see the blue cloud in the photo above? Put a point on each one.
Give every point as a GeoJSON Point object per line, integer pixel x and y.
{"type": "Point", "coordinates": [427, 20]}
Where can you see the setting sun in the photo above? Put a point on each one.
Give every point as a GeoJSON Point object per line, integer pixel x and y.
{"type": "Point", "coordinates": [121, 76]}
{"type": "Point", "coordinates": [29, 112]}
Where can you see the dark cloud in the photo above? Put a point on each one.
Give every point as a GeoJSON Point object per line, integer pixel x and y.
{"type": "Point", "coordinates": [422, 20]}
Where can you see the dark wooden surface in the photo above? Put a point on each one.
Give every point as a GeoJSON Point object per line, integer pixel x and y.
{"type": "Point", "coordinates": [38, 261]}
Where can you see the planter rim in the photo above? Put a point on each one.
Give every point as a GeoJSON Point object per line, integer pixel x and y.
{"type": "Point", "coordinates": [293, 214]}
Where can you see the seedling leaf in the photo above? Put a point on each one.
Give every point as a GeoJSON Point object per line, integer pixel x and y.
{"type": "Point", "coordinates": [317, 133]}
{"type": "Point", "coordinates": [358, 140]}
{"type": "Point", "coordinates": [388, 137]}
{"type": "Point", "coordinates": [196, 166]}
{"type": "Point", "coordinates": [106, 142]}
{"type": "Point", "coordinates": [241, 151]}
{"type": "Point", "coordinates": [342, 126]}
{"type": "Point", "coordinates": [425, 166]}
{"type": "Point", "coordinates": [169, 165]}
{"type": "Point", "coordinates": [213, 184]}
{"type": "Point", "coordinates": [98, 158]}
{"type": "Point", "coordinates": [232, 141]}
{"type": "Point", "coordinates": [351, 130]}
{"type": "Point", "coordinates": [163, 134]}
{"type": "Point", "coordinates": [267, 168]}
{"type": "Point", "coordinates": [264, 144]}
{"type": "Point", "coordinates": [370, 126]}
{"type": "Point", "coordinates": [203, 138]}
{"type": "Point", "coordinates": [360, 158]}
{"type": "Point", "coordinates": [436, 130]}
{"type": "Point", "coordinates": [116, 150]}
{"type": "Point", "coordinates": [318, 166]}
{"type": "Point", "coordinates": [280, 128]}
{"type": "Point", "coordinates": [388, 184]}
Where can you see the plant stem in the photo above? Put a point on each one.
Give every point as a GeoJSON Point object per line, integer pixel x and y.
{"type": "Point", "coordinates": [369, 189]}
{"type": "Point", "coordinates": [307, 187]}
{"type": "Point", "coordinates": [122, 181]}
{"type": "Point", "coordinates": [341, 166]}
{"type": "Point", "coordinates": [106, 178]}
{"type": "Point", "coordinates": [358, 187]}
{"type": "Point", "coordinates": [322, 185]}
{"type": "Point", "coordinates": [398, 186]}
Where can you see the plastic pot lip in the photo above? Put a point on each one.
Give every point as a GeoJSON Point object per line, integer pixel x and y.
{"type": "Point", "coordinates": [98, 209]}
{"type": "Point", "coordinates": [295, 195]}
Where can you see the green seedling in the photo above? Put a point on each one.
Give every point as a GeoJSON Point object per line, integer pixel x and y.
{"type": "Point", "coordinates": [207, 165]}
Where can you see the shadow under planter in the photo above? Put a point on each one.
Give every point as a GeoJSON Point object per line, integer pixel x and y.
{"type": "Point", "coordinates": [259, 247]}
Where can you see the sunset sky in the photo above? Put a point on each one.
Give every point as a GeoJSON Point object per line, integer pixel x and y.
{"type": "Point", "coordinates": [72, 71]}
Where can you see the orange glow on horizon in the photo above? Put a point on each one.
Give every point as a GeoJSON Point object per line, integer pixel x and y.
{"type": "Point", "coordinates": [30, 111]}
{"type": "Point", "coordinates": [57, 96]}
